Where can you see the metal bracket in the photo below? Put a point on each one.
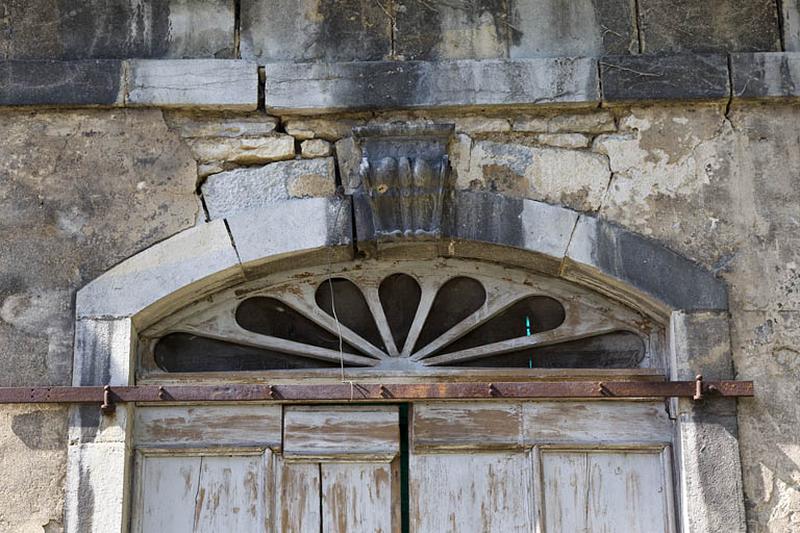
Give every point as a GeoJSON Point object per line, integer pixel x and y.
{"type": "Point", "coordinates": [107, 407]}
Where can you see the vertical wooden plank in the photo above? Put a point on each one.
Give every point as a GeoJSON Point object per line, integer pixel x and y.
{"type": "Point", "coordinates": [537, 492]}
{"type": "Point", "coordinates": [201, 493]}
{"type": "Point", "coordinates": [669, 483]}
{"type": "Point", "coordinates": [566, 491]}
{"type": "Point", "coordinates": [470, 493]}
{"type": "Point", "coordinates": [297, 497]}
{"type": "Point", "coordinates": [360, 497]}
{"type": "Point", "coordinates": [605, 491]}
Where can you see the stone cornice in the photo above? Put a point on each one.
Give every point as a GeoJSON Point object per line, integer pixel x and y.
{"type": "Point", "coordinates": [319, 88]}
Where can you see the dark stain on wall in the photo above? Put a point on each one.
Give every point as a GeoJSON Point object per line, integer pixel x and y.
{"type": "Point", "coordinates": [41, 430]}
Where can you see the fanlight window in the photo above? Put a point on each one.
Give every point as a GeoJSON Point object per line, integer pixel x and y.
{"type": "Point", "coordinates": [406, 315]}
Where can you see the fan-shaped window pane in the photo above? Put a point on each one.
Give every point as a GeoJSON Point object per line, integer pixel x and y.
{"type": "Point", "coordinates": [269, 316]}
{"type": "Point", "coordinates": [534, 314]}
{"type": "Point", "coordinates": [184, 352]}
{"type": "Point", "coordinates": [351, 308]}
{"type": "Point", "coordinates": [400, 295]}
{"type": "Point", "coordinates": [455, 301]}
{"type": "Point", "coordinates": [620, 349]}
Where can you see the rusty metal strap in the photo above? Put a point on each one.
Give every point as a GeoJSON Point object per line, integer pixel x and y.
{"type": "Point", "coordinates": [697, 389]}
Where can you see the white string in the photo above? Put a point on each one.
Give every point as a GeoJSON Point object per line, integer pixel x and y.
{"type": "Point", "coordinates": [333, 304]}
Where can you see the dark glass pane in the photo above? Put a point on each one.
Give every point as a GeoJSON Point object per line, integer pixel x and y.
{"type": "Point", "coordinates": [184, 352]}
{"type": "Point", "coordinates": [534, 314]}
{"type": "Point", "coordinates": [455, 301]}
{"type": "Point", "coordinates": [269, 316]}
{"type": "Point", "coordinates": [620, 349]}
{"type": "Point", "coordinates": [400, 295]}
{"type": "Point", "coordinates": [351, 308]}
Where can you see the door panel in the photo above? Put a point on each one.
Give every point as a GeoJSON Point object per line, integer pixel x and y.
{"type": "Point", "coordinates": [360, 497]}
{"type": "Point", "coordinates": [470, 493]}
{"type": "Point", "coordinates": [605, 491]}
{"type": "Point", "coordinates": [297, 497]}
{"type": "Point", "coordinates": [201, 493]}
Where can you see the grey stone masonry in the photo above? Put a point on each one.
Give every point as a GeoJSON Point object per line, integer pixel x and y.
{"type": "Point", "coordinates": [318, 89]}
{"type": "Point", "coordinates": [656, 77]}
{"type": "Point", "coordinates": [237, 190]}
{"type": "Point", "coordinates": [791, 25]}
{"type": "Point", "coordinates": [710, 467]}
{"type": "Point", "coordinates": [305, 225]}
{"type": "Point", "coordinates": [551, 28]}
{"type": "Point", "coordinates": [707, 26]}
{"type": "Point", "coordinates": [199, 83]}
{"type": "Point", "coordinates": [117, 29]}
{"type": "Point", "coordinates": [311, 88]}
{"type": "Point", "coordinates": [766, 75]}
{"type": "Point", "coordinates": [618, 254]}
{"type": "Point", "coordinates": [68, 83]}
{"type": "Point", "coordinates": [315, 30]}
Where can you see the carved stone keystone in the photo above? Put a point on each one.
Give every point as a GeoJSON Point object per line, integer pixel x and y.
{"type": "Point", "coordinates": [403, 179]}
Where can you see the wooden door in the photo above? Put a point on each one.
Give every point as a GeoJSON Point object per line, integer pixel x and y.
{"type": "Point", "coordinates": [544, 467]}
{"type": "Point", "coordinates": [261, 468]}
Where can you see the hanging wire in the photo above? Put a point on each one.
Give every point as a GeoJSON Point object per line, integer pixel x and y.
{"type": "Point", "coordinates": [333, 301]}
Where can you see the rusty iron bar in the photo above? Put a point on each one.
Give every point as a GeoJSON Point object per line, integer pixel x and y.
{"type": "Point", "coordinates": [345, 392]}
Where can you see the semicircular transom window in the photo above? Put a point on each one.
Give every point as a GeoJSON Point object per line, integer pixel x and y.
{"type": "Point", "coordinates": [407, 315]}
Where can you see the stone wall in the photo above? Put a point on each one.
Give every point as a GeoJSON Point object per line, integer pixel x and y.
{"type": "Point", "coordinates": [84, 189]}
{"type": "Point", "coordinates": [675, 119]}
{"type": "Point", "coordinates": [348, 30]}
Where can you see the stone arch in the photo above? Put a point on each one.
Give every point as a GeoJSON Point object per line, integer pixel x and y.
{"type": "Point", "coordinates": [545, 238]}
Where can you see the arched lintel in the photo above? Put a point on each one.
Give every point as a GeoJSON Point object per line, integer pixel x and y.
{"type": "Point", "coordinates": [477, 225]}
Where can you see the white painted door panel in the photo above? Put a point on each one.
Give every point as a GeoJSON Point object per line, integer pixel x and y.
{"type": "Point", "coordinates": [201, 494]}
{"type": "Point", "coordinates": [470, 493]}
{"type": "Point", "coordinates": [605, 491]}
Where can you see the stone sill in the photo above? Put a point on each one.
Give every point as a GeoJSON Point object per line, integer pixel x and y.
{"type": "Point", "coordinates": [318, 88]}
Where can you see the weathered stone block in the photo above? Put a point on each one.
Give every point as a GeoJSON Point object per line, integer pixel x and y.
{"type": "Point", "coordinates": [191, 263]}
{"type": "Point", "coordinates": [576, 179]}
{"type": "Point", "coordinates": [348, 157]}
{"type": "Point", "coordinates": [96, 490]}
{"type": "Point", "coordinates": [67, 83]}
{"type": "Point", "coordinates": [580, 28]}
{"type": "Point", "coordinates": [478, 125]}
{"type": "Point", "coordinates": [315, 148]}
{"type": "Point", "coordinates": [594, 122]}
{"type": "Point", "coordinates": [766, 75]}
{"type": "Point", "coordinates": [711, 491]}
{"type": "Point", "coordinates": [687, 77]}
{"type": "Point", "coordinates": [117, 29]}
{"type": "Point", "coordinates": [452, 30]}
{"type": "Point", "coordinates": [708, 26]}
{"type": "Point", "coordinates": [237, 190]}
{"type": "Point", "coordinates": [701, 344]}
{"type": "Point", "coordinates": [564, 140]}
{"type": "Point", "coordinates": [244, 150]}
{"type": "Point", "coordinates": [208, 84]}
{"type": "Point", "coordinates": [616, 254]}
{"type": "Point", "coordinates": [791, 25]}
{"type": "Point", "coordinates": [328, 129]}
{"type": "Point", "coordinates": [103, 349]}
{"type": "Point", "coordinates": [315, 30]}
{"type": "Point", "coordinates": [193, 125]}
{"type": "Point", "coordinates": [311, 88]}
{"type": "Point", "coordinates": [495, 219]}
{"type": "Point", "coordinates": [287, 228]}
